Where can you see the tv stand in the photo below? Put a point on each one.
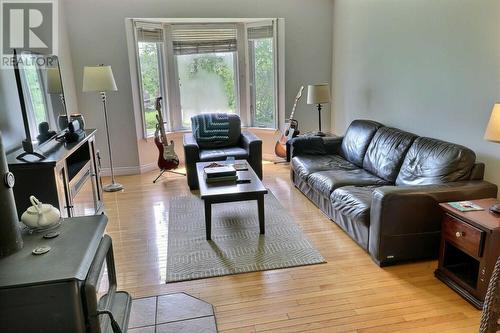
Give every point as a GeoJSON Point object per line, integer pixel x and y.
{"type": "Point", "coordinates": [67, 178]}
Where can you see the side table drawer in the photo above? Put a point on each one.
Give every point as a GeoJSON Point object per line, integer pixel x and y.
{"type": "Point", "coordinates": [463, 235]}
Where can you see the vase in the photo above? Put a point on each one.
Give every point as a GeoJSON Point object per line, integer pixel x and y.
{"type": "Point", "coordinates": [79, 118]}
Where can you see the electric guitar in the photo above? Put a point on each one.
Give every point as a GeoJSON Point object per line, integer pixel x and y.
{"type": "Point", "coordinates": [291, 132]}
{"type": "Point", "coordinates": [167, 159]}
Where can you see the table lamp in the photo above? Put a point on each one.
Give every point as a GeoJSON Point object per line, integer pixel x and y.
{"type": "Point", "coordinates": [318, 94]}
{"type": "Point", "coordinates": [493, 134]}
{"type": "Point", "coordinates": [100, 79]}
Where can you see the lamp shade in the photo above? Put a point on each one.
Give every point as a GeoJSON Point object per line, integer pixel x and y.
{"type": "Point", "coordinates": [318, 94]}
{"type": "Point", "coordinates": [98, 78]}
{"type": "Point", "coordinates": [493, 129]}
{"type": "Point", "coordinates": [54, 84]}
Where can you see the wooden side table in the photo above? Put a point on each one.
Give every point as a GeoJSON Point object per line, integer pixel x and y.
{"type": "Point", "coordinates": [470, 245]}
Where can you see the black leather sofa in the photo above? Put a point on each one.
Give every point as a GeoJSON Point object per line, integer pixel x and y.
{"type": "Point", "coordinates": [382, 186]}
{"type": "Point", "coordinates": [240, 145]}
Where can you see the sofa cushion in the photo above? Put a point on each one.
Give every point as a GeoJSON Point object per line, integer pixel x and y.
{"type": "Point", "coordinates": [325, 182]}
{"type": "Point", "coordinates": [354, 202]}
{"type": "Point", "coordinates": [222, 153]}
{"type": "Point", "coordinates": [386, 152]}
{"type": "Point", "coordinates": [216, 130]}
{"type": "Point", "coordinates": [356, 140]}
{"type": "Point", "coordinates": [431, 161]}
{"type": "Point", "coordinates": [304, 165]}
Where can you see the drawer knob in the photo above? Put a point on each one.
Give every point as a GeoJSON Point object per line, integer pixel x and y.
{"type": "Point", "coordinates": [459, 234]}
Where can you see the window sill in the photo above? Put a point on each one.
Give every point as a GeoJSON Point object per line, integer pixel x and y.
{"type": "Point", "coordinates": [264, 129]}
{"type": "Point", "coordinates": [167, 133]}
{"type": "Point", "coordinates": [174, 133]}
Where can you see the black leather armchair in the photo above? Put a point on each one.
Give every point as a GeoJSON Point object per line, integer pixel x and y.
{"type": "Point", "coordinates": [240, 145]}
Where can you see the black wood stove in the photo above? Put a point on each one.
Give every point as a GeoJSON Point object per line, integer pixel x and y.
{"type": "Point", "coordinates": [70, 288]}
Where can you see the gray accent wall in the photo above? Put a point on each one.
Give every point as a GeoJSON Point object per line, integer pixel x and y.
{"type": "Point", "coordinates": [426, 66]}
{"type": "Point", "coordinates": [97, 35]}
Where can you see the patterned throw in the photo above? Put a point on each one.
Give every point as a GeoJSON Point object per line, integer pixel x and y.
{"type": "Point", "coordinates": [210, 127]}
{"type": "Point", "coordinates": [236, 246]}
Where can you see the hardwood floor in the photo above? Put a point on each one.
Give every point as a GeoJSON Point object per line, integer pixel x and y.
{"type": "Point", "coordinates": [348, 294]}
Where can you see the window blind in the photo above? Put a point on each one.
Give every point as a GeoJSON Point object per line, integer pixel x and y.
{"type": "Point", "coordinates": [149, 32]}
{"type": "Point", "coordinates": [203, 40]}
{"type": "Point", "coordinates": [260, 32]}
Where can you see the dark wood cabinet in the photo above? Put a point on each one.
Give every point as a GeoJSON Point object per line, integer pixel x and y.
{"type": "Point", "coordinates": [470, 246]}
{"type": "Point", "coordinates": [69, 178]}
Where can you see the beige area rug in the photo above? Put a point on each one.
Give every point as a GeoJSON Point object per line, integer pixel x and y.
{"type": "Point", "coordinates": [236, 246]}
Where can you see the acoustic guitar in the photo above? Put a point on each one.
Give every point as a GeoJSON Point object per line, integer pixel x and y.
{"type": "Point", "coordinates": [167, 158]}
{"type": "Point", "coordinates": [292, 130]}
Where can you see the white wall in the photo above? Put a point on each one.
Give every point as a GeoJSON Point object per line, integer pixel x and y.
{"type": "Point", "coordinates": [97, 35]}
{"type": "Point", "coordinates": [426, 66]}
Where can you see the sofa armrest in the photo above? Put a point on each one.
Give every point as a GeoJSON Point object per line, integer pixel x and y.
{"type": "Point", "coordinates": [249, 141]}
{"type": "Point", "coordinates": [191, 148]}
{"type": "Point", "coordinates": [333, 144]}
{"type": "Point", "coordinates": [253, 145]}
{"type": "Point", "coordinates": [314, 145]}
{"type": "Point", "coordinates": [191, 156]}
{"type": "Point", "coordinates": [399, 211]}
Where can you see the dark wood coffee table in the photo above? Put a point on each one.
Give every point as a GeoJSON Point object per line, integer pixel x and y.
{"type": "Point", "coordinates": [231, 192]}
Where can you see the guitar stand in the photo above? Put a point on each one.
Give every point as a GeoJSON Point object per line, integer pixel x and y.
{"type": "Point", "coordinates": [170, 171]}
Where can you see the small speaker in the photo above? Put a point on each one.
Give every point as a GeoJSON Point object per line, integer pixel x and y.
{"type": "Point", "coordinates": [10, 234]}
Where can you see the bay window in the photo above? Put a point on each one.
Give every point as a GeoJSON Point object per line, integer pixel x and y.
{"type": "Point", "coordinates": [205, 59]}
{"type": "Point", "coordinates": [206, 68]}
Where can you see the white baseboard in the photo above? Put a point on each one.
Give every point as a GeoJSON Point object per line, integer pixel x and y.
{"type": "Point", "coordinates": [121, 171]}
{"type": "Point", "coordinates": [133, 170]}
{"type": "Point", "coordinates": [148, 167]}
{"type": "Point", "coordinates": [140, 169]}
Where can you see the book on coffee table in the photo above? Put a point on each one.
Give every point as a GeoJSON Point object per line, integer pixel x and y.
{"type": "Point", "coordinates": [222, 171]}
{"type": "Point", "coordinates": [223, 179]}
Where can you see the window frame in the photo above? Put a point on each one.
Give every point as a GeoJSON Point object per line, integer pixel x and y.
{"type": "Point", "coordinates": [251, 75]}
{"type": "Point", "coordinates": [161, 73]}
{"type": "Point", "coordinates": [169, 83]}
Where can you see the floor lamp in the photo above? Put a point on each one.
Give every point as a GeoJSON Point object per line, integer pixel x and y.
{"type": "Point", "coordinates": [318, 94]}
{"type": "Point", "coordinates": [100, 79]}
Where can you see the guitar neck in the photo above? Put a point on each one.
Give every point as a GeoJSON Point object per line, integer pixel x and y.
{"type": "Point", "coordinates": [293, 109]}
{"type": "Point", "coordinates": [163, 133]}
{"type": "Point", "coordinates": [161, 125]}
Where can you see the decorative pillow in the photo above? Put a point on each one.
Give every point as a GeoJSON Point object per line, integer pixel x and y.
{"type": "Point", "coordinates": [213, 130]}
